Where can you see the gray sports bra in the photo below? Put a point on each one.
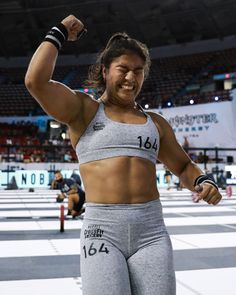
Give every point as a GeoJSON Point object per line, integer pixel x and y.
{"type": "Point", "coordinates": [105, 138]}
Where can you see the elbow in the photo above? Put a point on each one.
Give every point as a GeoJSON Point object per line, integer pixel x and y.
{"type": "Point", "coordinates": [33, 85]}
{"type": "Point", "coordinates": [30, 82]}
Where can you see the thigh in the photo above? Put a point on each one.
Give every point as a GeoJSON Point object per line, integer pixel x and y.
{"type": "Point", "coordinates": [74, 198]}
{"type": "Point", "coordinates": [151, 269]}
{"type": "Point", "coordinates": [104, 269]}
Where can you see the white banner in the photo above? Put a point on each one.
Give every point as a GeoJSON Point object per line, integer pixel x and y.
{"type": "Point", "coordinates": [37, 178]}
{"type": "Point", "coordinates": [32, 178]}
{"type": "Point", "coordinates": [205, 125]}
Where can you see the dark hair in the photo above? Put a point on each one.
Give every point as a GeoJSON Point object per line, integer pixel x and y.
{"type": "Point", "coordinates": [117, 45]}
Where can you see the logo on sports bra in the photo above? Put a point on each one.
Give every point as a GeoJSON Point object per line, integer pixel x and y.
{"type": "Point", "coordinates": [98, 126]}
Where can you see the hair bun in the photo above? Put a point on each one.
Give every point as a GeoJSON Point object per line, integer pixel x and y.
{"type": "Point", "coordinates": [117, 37]}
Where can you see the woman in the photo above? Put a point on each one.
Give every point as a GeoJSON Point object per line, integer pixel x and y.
{"type": "Point", "coordinates": [125, 248]}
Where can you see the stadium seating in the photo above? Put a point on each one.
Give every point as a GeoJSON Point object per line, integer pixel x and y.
{"type": "Point", "coordinates": [172, 79]}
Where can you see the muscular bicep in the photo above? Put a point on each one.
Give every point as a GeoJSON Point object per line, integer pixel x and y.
{"type": "Point", "coordinates": [58, 100]}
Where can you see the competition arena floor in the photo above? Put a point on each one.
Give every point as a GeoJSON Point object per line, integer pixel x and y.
{"type": "Point", "coordinates": [36, 258]}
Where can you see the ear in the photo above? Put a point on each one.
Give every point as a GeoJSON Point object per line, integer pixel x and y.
{"type": "Point", "coordinates": [104, 72]}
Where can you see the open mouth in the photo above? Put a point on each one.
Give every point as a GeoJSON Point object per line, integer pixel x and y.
{"type": "Point", "coordinates": [127, 87]}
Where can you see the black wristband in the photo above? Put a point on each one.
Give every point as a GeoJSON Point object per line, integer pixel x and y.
{"type": "Point", "coordinates": [205, 179]}
{"type": "Point", "coordinates": [81, 33]}
{"type": "Point", "coordinates": [63, 30]}
{"type": "Point", "coordinates": [57, 36]}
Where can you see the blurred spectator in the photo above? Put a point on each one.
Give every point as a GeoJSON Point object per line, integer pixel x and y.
{"type": "Point", "coordinates": [185, 144]}
{"type": "Point", "coordinates": [201, 158]}
{"type": "Point", "coordinates": [221, 179]}
{"type": "Point", "coordinates": [27, 156]}
{"type": "Point", "coordinates": [76, 177]}
{"type": "Point", "coordinates": [70, 189]}
{"type": "Point", "coordinates": [168, 177]}
{"type": "Point", "coordinates": [193, 157]}
{"type": "Point", "coordinates": [19, 155]}
{"type": "Point", "coordinates": [67, 157]}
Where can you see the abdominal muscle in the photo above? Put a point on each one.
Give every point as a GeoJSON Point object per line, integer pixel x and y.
{"type": "Point", "coordinates": [119, 180]}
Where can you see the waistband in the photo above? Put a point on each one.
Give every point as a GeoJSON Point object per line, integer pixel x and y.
{"type": "Point", "coordinates": [123, 206]}
{"type": "Point", "coordinates": [141, 212]}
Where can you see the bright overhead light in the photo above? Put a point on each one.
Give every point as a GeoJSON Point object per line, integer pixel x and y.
{"type": "Point", "coordinates": [54, 124]}
{"type": "Point", "coordinates": [63, 135]}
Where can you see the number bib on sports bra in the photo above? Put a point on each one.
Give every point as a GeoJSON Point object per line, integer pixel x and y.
{"type": "Point", "coordinates": [105, 138]}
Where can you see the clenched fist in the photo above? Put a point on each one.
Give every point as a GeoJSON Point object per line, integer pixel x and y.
{"type": "Point", "coordinates": [74, 27]}
{"type": "Point", "coordinates": [208, 193]}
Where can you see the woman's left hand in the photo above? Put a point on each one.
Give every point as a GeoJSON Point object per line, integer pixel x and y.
{"type": "Point", "coordinates": [208, 193]}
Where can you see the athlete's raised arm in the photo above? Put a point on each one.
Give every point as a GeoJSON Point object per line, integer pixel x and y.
{"type": "Point", "coordinates": [58, 100]}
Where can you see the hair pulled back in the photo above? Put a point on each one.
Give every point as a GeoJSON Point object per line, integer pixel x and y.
{"type": "Point", "coordinates": [117, 45]}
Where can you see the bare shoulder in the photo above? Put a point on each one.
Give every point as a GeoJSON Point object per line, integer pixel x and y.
{"type": "Point", "coordinates": [89, 107]}
{"type": "Point", "coordinates": [87, 103]}
{"type": "Point", "coordinates": [157, 117]}
{"type": "Point", "coordinates": [161, 122]}
{"type": "Point", "coordinates": [84, 97]}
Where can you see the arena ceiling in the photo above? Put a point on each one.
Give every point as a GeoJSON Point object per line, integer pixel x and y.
{"type": "Point", "coordinates": [23, 23]}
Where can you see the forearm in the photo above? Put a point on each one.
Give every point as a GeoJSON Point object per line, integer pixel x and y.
{"type": "Point", "coordinates": [189, 174]}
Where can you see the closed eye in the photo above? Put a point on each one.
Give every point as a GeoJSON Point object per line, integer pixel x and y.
{"type": "Point", "coordinates": [124, 70]}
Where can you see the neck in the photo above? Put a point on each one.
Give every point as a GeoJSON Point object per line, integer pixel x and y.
{"type": "Point", "coordinates": [114, 103]}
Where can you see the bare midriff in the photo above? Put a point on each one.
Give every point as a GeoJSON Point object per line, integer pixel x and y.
{"type": "Point", "coordinates": [119, 180]}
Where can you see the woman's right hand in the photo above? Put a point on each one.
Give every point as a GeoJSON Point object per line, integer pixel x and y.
{"type": "Point", "coordinates": [74, 26]}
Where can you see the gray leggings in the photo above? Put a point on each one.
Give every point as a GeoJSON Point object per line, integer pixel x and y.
{"type": "Point", "coordinates": [126, 250]}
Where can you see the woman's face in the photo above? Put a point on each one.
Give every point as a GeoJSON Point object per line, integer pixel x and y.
{"type": "Point", "coordinates": [124, 78]}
